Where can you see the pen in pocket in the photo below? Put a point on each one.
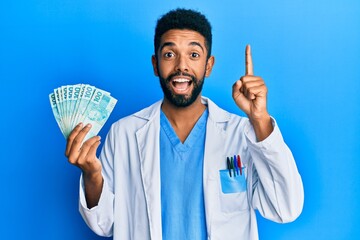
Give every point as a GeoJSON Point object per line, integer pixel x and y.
{"type": "Point", "coordinates": [234, 165]}
{"type": "Point", "coordinates": [228, 165]}
{"type": "Point", "coordinates": [239, 163]}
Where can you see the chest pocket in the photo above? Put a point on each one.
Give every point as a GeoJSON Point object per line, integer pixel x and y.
{"type": "Point", "coordinates": [233, 192]}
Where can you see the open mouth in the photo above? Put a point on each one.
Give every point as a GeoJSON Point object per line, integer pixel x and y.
{"type": "Point", "coordinates": [181, 85]}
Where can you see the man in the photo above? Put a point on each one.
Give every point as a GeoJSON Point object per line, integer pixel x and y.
{"type": "Point", "coordinates": [169, 171]}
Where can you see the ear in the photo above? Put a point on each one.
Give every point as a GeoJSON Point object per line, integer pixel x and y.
{"type": "Point", "coordinates": [209, 65]}
{"type": "Point", "coordinates": [154, 63]}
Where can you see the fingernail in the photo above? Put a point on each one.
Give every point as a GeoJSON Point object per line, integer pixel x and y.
{"type": "Point", "coordinates": [80, 124]}
{"type": "Point", "coordinates": [88, 125]}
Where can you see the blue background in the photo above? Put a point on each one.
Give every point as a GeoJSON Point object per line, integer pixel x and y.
{"type": "Point", "coordinates": [307, 51]}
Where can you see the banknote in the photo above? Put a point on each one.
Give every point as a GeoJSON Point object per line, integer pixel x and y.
{"type": "Point", "coordinates": [84, 102]}
{"type": "Point", "coordinates": [63, 101]}
{"type": "Point", "coordinates": [98, 111]}
{"type": "Point", "coordinates": [56, 111]}
{"type": "Point", "coordinates": [76, 104]}
{"type": "Point", "coordinates": [72, 104]}
{"type": "Point", "coordinates": [57, 100]}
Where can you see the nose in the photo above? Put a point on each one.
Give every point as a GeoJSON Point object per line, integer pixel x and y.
{"type": "Point", "coordinates": [182, 64]}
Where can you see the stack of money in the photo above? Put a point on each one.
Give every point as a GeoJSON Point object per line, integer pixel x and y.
{"type": "Point", "coordinates": [72, 104]}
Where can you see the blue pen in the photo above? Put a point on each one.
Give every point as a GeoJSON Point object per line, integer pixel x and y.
{"type": "Point", "coordinates": [233, 166]}
{"type": "Point", "coordinates": [236, 165]}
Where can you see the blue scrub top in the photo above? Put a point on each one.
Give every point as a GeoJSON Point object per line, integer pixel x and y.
{"type": "Point", "coordinates": [181, 172]}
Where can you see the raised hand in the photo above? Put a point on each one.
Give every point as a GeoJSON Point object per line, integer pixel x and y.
{"type": "Point", "coordinates": [249, 94]}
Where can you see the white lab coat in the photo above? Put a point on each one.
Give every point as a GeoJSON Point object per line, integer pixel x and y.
{"type": "Point", "coordinates": [130, 206]}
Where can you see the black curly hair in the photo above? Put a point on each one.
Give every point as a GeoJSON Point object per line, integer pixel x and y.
{"type": "Point", "coordinates": [183, 19]}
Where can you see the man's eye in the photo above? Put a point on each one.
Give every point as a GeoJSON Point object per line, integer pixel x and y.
{"type": "Point", "coordinates": [168, 55]}
{"type": "Point", "coordinates": [195, 55]}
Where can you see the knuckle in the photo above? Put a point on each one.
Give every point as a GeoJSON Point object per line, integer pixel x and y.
{"type": "Point", "coordinates": [235, 86]}
{"type": "Point", "coordinates": [71, 136]}
{"type": "Point", "coordinates": [72, 160]}
{"type": "Point", "coordinates": [89, 160]}
{"type": "Point", "coordinates": [87, 144]}
{"type": "Point", "coordinates": [76, 141]}
{"type": "Point", "coordinates": [86, 128]}
{"type": "Point", "coordinates": [74, 133]}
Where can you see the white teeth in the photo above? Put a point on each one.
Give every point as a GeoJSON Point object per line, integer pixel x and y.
{"type": "Point", "coordinates": [181, 85]}
{"type": "Point", "coordinates": [181, 80]}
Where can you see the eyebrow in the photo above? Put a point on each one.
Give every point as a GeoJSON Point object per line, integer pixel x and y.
{"type": "Point", "coordinates": [197, 44]}
{"type": "Point", "coordinates": [170, 44]}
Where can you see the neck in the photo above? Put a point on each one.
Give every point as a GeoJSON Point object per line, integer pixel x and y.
{"type": "Point", "coordinates": [183, 114]}
{"type": "Point", "coordinates": [183, 119]}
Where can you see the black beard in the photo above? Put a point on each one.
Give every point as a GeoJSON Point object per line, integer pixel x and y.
{"type": "Point", "coordinates": [181, 100]}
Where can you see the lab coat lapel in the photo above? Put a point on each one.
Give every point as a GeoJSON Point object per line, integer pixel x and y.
{"type": "Point", "coordinates": [214, 156]}
{"type": "Point", "coordinates": [148, 146]}
{"type": "Point", "coordinates": [215, 139]}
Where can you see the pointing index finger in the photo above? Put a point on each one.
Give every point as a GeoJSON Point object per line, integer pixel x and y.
{"type": "Point", "coordinates": [248, 61]}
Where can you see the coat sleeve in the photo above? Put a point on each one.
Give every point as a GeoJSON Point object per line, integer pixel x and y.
{"type": "Point", "coordinates": [100, 218]}
{"type": "Point", "coordinates": [277, 189]}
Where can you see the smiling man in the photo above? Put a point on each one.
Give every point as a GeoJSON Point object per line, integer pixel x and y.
{"type": "Point", "coordinates": [183, 58]}
{"type": "Point", "coordinates": [183, 168]}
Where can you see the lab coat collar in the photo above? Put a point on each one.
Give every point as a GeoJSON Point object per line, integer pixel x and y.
{"type": "Point", "coordinates": [215, 113]}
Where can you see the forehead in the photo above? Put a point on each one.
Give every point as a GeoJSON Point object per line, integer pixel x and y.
{"type": "Point", "coordinates": [178, 37]}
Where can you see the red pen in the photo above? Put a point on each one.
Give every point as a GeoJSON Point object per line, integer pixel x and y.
{"type": "Point", "coordinates": [239, 163]}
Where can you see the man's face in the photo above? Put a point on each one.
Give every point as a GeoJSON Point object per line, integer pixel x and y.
{"type": "Point", "coordinates": [182, 65]}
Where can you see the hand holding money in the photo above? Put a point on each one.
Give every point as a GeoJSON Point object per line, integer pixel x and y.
{"type": "Point", "coordinates": [81, 111]}
{"type": "Point", "coordinates": [84, 157]}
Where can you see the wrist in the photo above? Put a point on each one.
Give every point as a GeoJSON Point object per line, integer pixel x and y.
{"type": "Point", "coordinates": [92, 177]}
{"type": "Point", "coordinates": [93, 184]}
{"type": "Point", "coordinates": [263, 127]}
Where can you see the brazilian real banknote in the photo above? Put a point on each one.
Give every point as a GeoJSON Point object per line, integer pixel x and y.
{"type": "Point", "coordinates": [72, 104]}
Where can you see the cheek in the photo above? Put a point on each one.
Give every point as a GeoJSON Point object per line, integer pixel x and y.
{"type": "Point", "coordinates": [201, 71]}
{"type": "Point", "coordinates": [163, 69]}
